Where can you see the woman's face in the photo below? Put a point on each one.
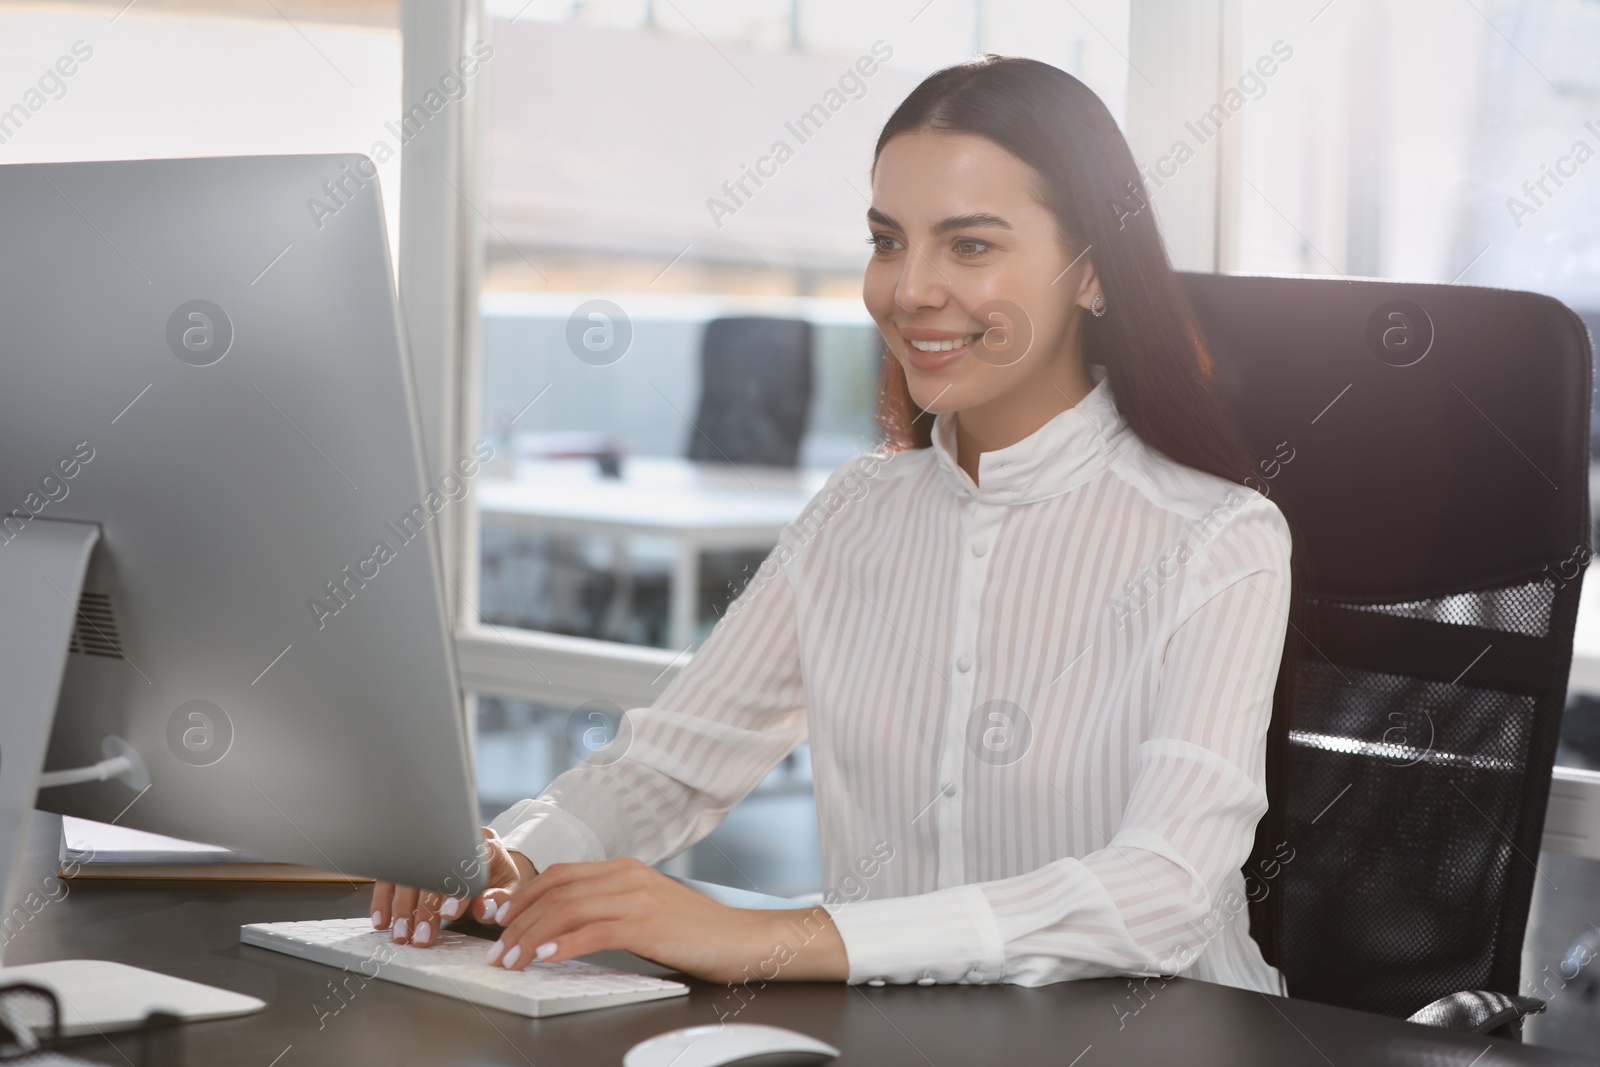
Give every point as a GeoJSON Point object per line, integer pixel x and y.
{"type": "Point", "coordinates": [969, 280]}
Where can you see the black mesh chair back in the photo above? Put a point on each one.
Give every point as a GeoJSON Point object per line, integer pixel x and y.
{"type": "Point", "coordinates": [755, 392]}
{"type": "Point", "coordinates": [1429, 446]}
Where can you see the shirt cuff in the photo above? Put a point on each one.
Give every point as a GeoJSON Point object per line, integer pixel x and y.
{"type": "Point", "coordinates": [946, 936]}
{"type": "Point", "coordinates": [547, 835]}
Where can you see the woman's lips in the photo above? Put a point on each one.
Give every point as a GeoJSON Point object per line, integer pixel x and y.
{"type": "Point", "coordinates": [932, 361]}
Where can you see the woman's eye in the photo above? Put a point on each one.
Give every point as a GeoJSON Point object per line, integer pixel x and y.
{"type": "Point", "coordinates": [967, 246]}
{"type": "Point", "coordinates": [882, 244]}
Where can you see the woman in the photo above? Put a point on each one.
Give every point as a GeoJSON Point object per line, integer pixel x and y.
{"type": "Point", "coordinates": [1033, 647]}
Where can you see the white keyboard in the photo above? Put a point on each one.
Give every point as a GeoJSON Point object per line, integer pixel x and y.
{"type": "Point", "coordinates": [454, 966]}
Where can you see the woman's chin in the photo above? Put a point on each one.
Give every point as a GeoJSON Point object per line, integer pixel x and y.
{"type": "Point", "coordinates": [944, 397]}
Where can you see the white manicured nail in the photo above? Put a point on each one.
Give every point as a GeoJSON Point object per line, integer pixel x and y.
{"type": "Point", "coordinates": [495, 950]}
{"type": "Point", "coordinates": [450, 907]}
{"type": "Point", "coordinates": [377, 920]}
{"type": "Point", "coordinates": [424, 934]}
{"type": "Point", "coordinates": [400, 928]}
{"type": "Point", "coordinates": [545, 951]}
{"type": "Point", "coordinates": [500, 915]}
{"type": "Point", "coordinates": [486, 907]}
{"type": "Point", "coordinates": [511, 957]}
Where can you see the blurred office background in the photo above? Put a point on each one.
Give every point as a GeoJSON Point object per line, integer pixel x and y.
{"type": "Point", "coordinates": [641, 465]}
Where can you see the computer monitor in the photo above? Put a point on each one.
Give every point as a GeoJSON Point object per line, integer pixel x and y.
{"type": "Point", "coordinates": [217, 526]}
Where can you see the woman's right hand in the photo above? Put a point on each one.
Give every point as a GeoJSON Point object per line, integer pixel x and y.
{"type": "Point", "coordinates": [415, 914]}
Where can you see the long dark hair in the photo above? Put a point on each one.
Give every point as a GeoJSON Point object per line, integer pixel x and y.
{"type": "Point", "coordinates": [1155, 358]}
{"type": "Point", "coordinates": [1149, 341]}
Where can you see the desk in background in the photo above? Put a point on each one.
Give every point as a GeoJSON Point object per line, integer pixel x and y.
{"type": "Point", "coordinates": [192, 930]}
{"type": "Point", "coordinates": [695, 506]}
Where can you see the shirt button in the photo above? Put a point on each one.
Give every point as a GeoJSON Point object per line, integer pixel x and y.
{"type": "Point", "coordinates": [979, 547]}
{"type": "Point", "coordinates": [948, 789]}
{"type": "Point", "coordinates": [925, 980]}
{"type": "Point", "coordinates": [964, 664]}
{"type": "Point", "coordinates": [974, 976]}
{"type": "Point", "coordinates": [875, 982]}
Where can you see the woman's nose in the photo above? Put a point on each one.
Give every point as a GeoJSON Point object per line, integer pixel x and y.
{"type": "Point", "coordinates": [922, 284]}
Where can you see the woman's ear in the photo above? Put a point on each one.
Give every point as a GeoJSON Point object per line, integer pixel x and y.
{"type": "Point", "coordinates": [1079, 265]}
{"type": "Point", "coordinates": [1089, 287]}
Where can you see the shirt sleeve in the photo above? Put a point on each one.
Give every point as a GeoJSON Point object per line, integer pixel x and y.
{"type": "Point", "coordinates": [1146, 902]}
{"type": "Point", "coordinates": [722, 724]}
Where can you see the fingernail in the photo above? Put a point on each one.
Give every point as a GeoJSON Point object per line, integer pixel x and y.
{"type": "Point", "coordinates": [377, 920]}
{"type": "Point", "coordinates": [545, 951]}
{"type": "Point", "coordinates": [400, 928]}
{"type": "Point", "coordinates": [486, 908]}
{"type": "Point", "coordinates": [450, 906]}
{"type": "Point", "coordinates": [511, 957]}
{"type": "Point", "coordinates": [424, 934]}
{"type": "Point", "coordinates": [495, 950]}
{"type": "Point", "coordinates": [500, 915]}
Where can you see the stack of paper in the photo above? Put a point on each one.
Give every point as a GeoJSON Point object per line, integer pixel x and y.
{"type": "Point", "coordinates": [100, 850]}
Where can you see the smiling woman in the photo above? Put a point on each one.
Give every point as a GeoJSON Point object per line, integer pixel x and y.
{"type": "Point", "coordinates": [1057, 787]}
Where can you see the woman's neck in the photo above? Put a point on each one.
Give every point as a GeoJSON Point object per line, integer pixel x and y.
{"type": "Point", "coordinates": [1014, 415]}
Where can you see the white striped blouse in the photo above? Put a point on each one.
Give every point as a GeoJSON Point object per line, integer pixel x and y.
{"type": "Point", "coordinates": [1037, 709]}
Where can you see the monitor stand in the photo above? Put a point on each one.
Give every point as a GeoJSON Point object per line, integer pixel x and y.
{"type": "Point", "coordinates": [42, 568]}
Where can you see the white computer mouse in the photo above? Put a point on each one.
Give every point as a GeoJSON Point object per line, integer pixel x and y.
{"type": "Point", "coordinates": [729, 1044]}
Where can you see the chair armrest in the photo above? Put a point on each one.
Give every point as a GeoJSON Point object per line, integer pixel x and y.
{"type": "Point", "coordinates": [1476, 1011]}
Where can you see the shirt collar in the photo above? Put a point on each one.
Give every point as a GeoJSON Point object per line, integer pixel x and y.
{"type": "Point", "coordinates": [1059, 456]}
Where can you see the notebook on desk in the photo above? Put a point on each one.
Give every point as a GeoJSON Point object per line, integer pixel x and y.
{"type": "Point", "coordinates": [100, 850]}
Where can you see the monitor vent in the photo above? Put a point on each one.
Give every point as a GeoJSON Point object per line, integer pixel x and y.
{"type": "Point", "coordinates": [95, 630]}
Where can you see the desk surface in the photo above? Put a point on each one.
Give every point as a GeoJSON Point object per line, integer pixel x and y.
{"type": "Point", "coordinates": [192, 930]}
{"type": "Point", "coordinates": [654, 493]}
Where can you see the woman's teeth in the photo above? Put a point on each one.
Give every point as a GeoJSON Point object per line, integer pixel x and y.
{"type": "Point", "coordinates": [943, 346]}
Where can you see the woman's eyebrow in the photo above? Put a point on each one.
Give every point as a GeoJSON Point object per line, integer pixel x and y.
{"type": "Point", "coordinates": [971, 221]}
{"type": "Point", "coordinates": [874, 215]}
{"type": "Point", "coordinates": [954, 222]}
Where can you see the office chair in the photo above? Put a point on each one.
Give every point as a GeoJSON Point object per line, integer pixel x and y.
{"type": "Point", "coordinates": [1429, 445]}
{"type": "Point", "coordinates": [755, 399]}
{"type": "Point", "coordinates": [755, 392]}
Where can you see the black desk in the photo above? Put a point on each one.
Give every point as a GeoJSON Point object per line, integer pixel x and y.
{"type": "Point", "coordinates": [192, 930]}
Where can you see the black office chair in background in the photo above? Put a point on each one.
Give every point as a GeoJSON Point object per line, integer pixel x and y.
{"type": "Point", "coordinates": [1429, 445]}
{"type": "Point", "coordinates": [755, 392]}
{"type": "Point", "coordinates": [755, 401]}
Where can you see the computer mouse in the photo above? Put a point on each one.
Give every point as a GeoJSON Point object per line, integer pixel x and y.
{"type": "Point", "coordinates": [729, 1045]}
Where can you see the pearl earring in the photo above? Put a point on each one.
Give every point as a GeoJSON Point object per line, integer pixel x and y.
{"type": "Point", "coordinates": [1097, 306]}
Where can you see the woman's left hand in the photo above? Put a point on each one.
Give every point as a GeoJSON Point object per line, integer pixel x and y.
{"type": "Point", "coordinates": [573, 909]}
